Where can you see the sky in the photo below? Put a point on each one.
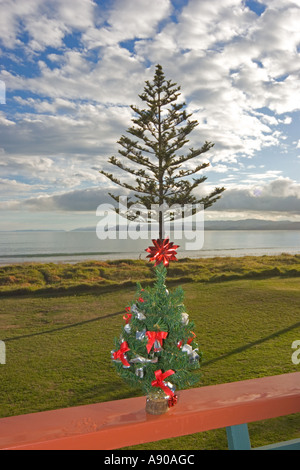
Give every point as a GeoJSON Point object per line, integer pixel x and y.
{"type": "Point", "coordinates": [70, 69]}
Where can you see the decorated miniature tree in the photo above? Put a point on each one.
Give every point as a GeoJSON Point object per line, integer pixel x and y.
{"type": "Point", "coordinates": [157, 350]}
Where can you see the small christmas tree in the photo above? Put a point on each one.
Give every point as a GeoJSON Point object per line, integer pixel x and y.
{"type": "Point", "coordinates": [156, 350]}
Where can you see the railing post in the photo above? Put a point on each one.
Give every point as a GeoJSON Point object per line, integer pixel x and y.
{"type": "Point", "coordinates": [238, 437]}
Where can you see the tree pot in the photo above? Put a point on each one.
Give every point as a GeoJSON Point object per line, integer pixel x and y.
{"type": "Point", "coordinates": [157, 403]}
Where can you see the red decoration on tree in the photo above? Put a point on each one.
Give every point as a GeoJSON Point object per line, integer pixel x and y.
{"type": "Point", "coordinates": [163, 251]}
{"type": "Point", "coordinates": [160, 383]}
{"type": "Point", "coordinates": [120, 355]}
{"type": "Point", "coordinates": [172, 401]}
{"type": "Point", "coordinates": [155, 336]}
{"type": "Point", "coordinates": [189, 341]}
{"type": "Point", "coordinates": [127, 317]}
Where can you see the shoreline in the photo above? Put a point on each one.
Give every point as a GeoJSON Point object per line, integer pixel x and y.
{"type": "Point", "coordinates": [74, 258]}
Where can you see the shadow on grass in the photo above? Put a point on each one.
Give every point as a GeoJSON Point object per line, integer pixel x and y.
{"type": "Point", "coordinates": [205, 363]}
{"type": "Point", "coordinates": [73, 325]}
{"type": "Point", "coordinates": [250, 345]}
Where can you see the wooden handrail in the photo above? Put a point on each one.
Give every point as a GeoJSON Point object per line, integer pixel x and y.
{"type": "Point", "coordinates": [121, 423]}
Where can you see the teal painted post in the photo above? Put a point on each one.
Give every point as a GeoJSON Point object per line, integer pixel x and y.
{"type": "Point", "coordinates": [238, 437]}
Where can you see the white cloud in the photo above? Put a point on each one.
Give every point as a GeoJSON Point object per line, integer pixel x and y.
{"type": "Point", "coordinates": [46, 23]}
{"type": "Point", "coordinates": [280, 195]}
{"type": "Point", "coordinates": [128, 19]}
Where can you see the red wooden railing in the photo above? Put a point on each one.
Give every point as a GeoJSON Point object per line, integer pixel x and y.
{"type": "Point", "coordinates": [121, 423]}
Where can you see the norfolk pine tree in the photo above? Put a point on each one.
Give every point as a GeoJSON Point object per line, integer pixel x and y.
{"type": "Point", "coordinates": [160, 131]}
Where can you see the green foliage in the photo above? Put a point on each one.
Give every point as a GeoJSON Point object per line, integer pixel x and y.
{"type": "Point", "coordinates": [160, 133]}
{"type": "Point", "coordinates": [104, 276]}
{"type": "Point", "coordinates": [155, 309]}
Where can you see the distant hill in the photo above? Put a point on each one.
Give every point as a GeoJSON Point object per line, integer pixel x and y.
{"type": "Point", "coordinates": [251, 224]}
{"type": "Point", "coordinates": [247, 224]}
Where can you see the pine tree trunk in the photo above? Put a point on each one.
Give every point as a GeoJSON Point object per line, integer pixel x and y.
{"type": "Point", "coordinates": [161, 198]}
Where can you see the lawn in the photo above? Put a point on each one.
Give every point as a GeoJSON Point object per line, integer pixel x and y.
{"type": "Point", "coordinates": [59, 335]}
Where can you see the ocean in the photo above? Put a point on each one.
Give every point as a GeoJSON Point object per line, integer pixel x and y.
{"type": "Point", "coordinates": [76, 246]}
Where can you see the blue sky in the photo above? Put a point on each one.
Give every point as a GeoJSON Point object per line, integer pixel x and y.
{"type": "Point", "coordinates": [70, 69]}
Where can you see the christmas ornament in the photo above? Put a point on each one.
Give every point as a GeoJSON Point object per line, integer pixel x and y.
{"type": "Point", "coordinates": [142, 359]}
{"type": "Point", "coordinates": [140, 335]}
{"type": "Point", "coordinates": [155, 338]}
{"type": "Point", "coordinates": [120, 354]}
{"type": "Point", "coordinates": [163, 251]}
{"type": "Point", "coordinates": [139, 372]}
{"type": "Point", "coordinates": [159, 381]}
{"type": "Point", "coordinates": [172, 401]}
{"type": "Point", "coordinates": [189, 341]}
{"type": "Point", "coordinates": [139, 315]}
{"type": "Point", "coordinates": [192, 353]}
{"type": "Point", "coordinates": [127, 328]}
{"type": "Point", "coordinates": [184, 318]}
{"type": "Point", "coordinates": [127, 319]}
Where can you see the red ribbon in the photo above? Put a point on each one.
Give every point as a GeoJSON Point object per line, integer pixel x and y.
{"type": "Point", "coordinates": [159, 381]}
{"type": "Point", "coordinates": [120, 354]}
{"type": "Point", "coordinates": [189, 341]}
{"type": "Point", "coordinates": [153, 336]}
{"type": "Point", "coordinates": [127, 317]}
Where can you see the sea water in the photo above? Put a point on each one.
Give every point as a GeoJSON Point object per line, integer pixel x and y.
{"type": "Point", "coordinates": [76, 246]}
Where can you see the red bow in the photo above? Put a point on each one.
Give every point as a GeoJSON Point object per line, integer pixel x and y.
{"type": "Point", "coordinates": [172, 401]}
{"type": "Point", "coordinates": [159, 381]}
{"type": "Point", "coordinates": [189, 341]}
{"type": "Point", "coordinates": [127, 317]}
{"type": "Point", "coordinates": [162, 251]}
{"type": "Point", "coordinates": [120, 354]}
{"type": "Point", "coordinates": [155, 335]}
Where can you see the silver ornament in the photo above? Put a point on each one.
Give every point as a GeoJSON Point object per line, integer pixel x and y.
{"type": "Point", "coordinates": [138, 313]}
{"type": "Point", "coordinates": [171, 386]}
{"type": "Point", "coordinates": [184, 318]}
{"type": "Point", "coordinates": [139, 372]}
{"type": "Point", "coordinates": [127, 328]}
{"type": "Point", "coordinates": [140, 359]}
{"type": "Point", "coordinates": [192, 353]}
{"type": "Point", "coordinates": [187, 348]}
{"type": "Point", "coordinates": [140, 334]}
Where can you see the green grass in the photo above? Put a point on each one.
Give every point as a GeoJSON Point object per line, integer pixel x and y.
{"type": "Point", "coordinates": [31, 278]}
{"type": "Point", "coordinates": [59, 335]}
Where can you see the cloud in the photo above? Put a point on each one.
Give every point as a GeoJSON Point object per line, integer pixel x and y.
{"type": "Point", "coordinates": [84, 200]}
{"type": "Point", "coordinates": [128, 19]}
{"type": "Point", "coordinates": [280, 195]}
{"type": "Point", "coordinates": [45, 23]}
